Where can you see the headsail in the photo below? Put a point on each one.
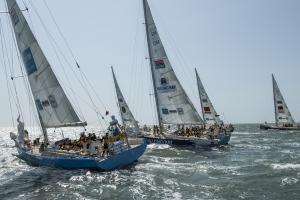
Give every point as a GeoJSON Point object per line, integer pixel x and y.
{"type": "Point", "coordinates": [128, 119]}
{"type": "Point", "coordinates": [54, 108]}
{"type": "Point", "coordinates": [210, 115]}
{"type": "Point", "coordinates": [173, 104]}
{"type": "Point", "coordinates": [282, 112]}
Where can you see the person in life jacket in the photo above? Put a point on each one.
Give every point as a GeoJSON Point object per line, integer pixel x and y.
{"type": "Point", "coordinates": [114, 126]}
{"type": "Point", "coordinates": [21, 135]}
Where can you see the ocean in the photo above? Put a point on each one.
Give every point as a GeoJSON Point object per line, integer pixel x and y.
{"type": "Point", "coordinates": [256, 165]}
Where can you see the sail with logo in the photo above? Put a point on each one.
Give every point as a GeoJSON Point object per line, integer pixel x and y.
{"type": "Point", "coordinates": [210, 116]}
{"type": "Point", "coordinates": [54, 110]}
{"type": "Point", "coordinates": [53, 106]}
{"type": "Point", "coordinates": [283, 117]}
{"type": "Point", "coordinates": [128, 120]}
{"type": "Point", "coordinates": [172, 103]}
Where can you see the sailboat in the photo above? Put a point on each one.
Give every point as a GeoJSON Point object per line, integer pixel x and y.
{"type": "Point", "coordinates": [129, 122]}
{"type": "Point", "coordinates": [173, 106]}
{"type": "Point", "coordinates": [210, 115]}
{"type": "Point", "coordinates": [54, 110]}
{"type": "Point", "coordinates": [283, 117]}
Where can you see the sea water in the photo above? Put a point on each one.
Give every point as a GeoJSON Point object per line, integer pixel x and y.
{"type": "Point", "coordinates": [256, 165]}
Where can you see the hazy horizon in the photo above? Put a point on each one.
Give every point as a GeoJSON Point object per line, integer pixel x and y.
{"type": "Point", "coordinates": [235, 46]}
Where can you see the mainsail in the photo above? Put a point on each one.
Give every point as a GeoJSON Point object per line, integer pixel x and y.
{"type": "Point", "coordinates": [282, 112]}
{"type": "Point", "coordinates": [173, 104]}
{"type": "Point", "coordinates": [53, 106]}
{"type": "Point", "coordinates": [128, 119]}
{"type": "Point", "coordinates": [210, 115]}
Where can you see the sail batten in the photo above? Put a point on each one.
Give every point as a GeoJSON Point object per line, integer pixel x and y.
{"type": "Point", "coordinates": [173, 104]}
{"type": "Point", "coordinates": [53, 106]}
{"type": "Point", "coordinates": [127, 117]}
{"type": "Point", "coordinates": [209, 113]}
{"type": "Point", "coordinates": [282, 112]}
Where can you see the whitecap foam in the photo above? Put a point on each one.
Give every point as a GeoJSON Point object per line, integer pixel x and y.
{"type": "Point", "coordinates": [177, 196]}
{"type": "Point", "coordinates": [158, 146]}
{"type": "Point", "coordinates": [288, 181]}
{"type": "Point", "coordinates": [285, 166]}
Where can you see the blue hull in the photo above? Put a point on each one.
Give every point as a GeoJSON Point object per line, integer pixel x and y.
{"type": "Point", "coordinates": [71, 163]}
{"type": "Point", "coordinates": [188, 142]}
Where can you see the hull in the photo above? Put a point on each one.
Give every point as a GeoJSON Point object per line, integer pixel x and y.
{"type": "Point", "coordinates": [269, 127]}
{"type": "Point", "coordinates": [199, 142]}
{"type": "Point", "coordinates": [71, 163]}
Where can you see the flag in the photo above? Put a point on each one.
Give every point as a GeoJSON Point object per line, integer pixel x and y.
{"type": "Point", "coordinates": [159, 64]}
{"type": "Point", "coordinates": [280, 109]}
{"type": "Point", "coordinates": [206, 110]}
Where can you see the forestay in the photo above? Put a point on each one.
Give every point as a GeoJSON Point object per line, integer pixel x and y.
{"type": "Point", "coordinates": [173, 104]}
{"type": "Point", "coordinates": [54, 108]}
{"type": "Point", "coordinates": [128, 119]}
{"type": "Point", "coordinates": [282, 112]}
{"type": "Point", "coordinates": [210, 115]}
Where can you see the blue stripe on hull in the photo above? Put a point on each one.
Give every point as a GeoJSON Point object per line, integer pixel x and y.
{"type": "Point", "coordinates": [186, 142]}
{"type": "Point", "coordinates": [117, 161]}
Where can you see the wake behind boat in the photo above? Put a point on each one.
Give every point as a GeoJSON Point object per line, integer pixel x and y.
{"type": "Point", "coordinates": [283, 117]}
{"type": "Point", "coordinates": [54, 110]}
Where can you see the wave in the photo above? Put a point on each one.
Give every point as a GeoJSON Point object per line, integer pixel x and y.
{"type": "Point", "coordinates": [288, 181]}
{"type": "Point", "coordinates": [285, 166]}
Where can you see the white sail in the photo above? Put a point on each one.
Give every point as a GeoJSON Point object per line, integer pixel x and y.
{"type": "Point", "coordinates": [173, 104]}
{"type": "Point", "coordinates": [210, 116]}
{"type": "Point", "coordinates": [282, 112]}
{"type": "Point", "coordinates": [54, 108]}
{"type": "Point", "coordinates": [127, 117]}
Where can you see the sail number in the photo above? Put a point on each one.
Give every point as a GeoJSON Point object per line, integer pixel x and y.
{"type": "Point", "coordinates": [158, 141]}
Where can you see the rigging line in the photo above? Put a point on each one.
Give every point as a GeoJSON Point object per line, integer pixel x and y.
{"type": "Point", "coordinates": [177, 54]}
{"type": "Point", "coordinates": [12, 60]}
{"type": "Point", "coordinates": [26, 84]}
{"type": "Point", "coordinates": [65, 74]}
{"type": "Point", "coordinates": [71, 52]}
{"type": "Point", "coordinates": [4, 49]}
{"type": "Point", "coordinates": [7, 12]}
{"type": "Point", "coordinates": [139, 86]}
{"type": "Point", "coordinates": [7, 83]}
{"type": "Point", "coordinates": [181, 59]}
{"type": "Point", "coordinates": [134, 46]}
{"type": "Point", "coordinates": [82, 83]}
{"type": "Point", "coordinates": [93, 89]}
{"type": "Point", "coordinates": [57, 46]}
{"type": "Point", "coordinates": [60, 32]}
{"type": "Point", "coordinates": [91, 99]}
{"type": "Point", "coordinates": [150, 78]}
{"type": "Point", "coordinates": [26, 81]}
{"type": "Point", "coordinates": [64, 71]}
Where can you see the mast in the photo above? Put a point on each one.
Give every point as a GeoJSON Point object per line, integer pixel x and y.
{"type": "Point", "coordinates": [44, 130]}
{"type": "Point", "coordinates": [152, 72]}
{"type": "Point", "coordinates": [274, 98]}
{"type": "Point", "coordinates": [53, 106]}
{"type": "Point", "coordinates": [198, 84]}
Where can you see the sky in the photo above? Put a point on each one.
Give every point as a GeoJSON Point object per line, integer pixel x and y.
{"type": "Point", "coordinates": [235, 45]}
